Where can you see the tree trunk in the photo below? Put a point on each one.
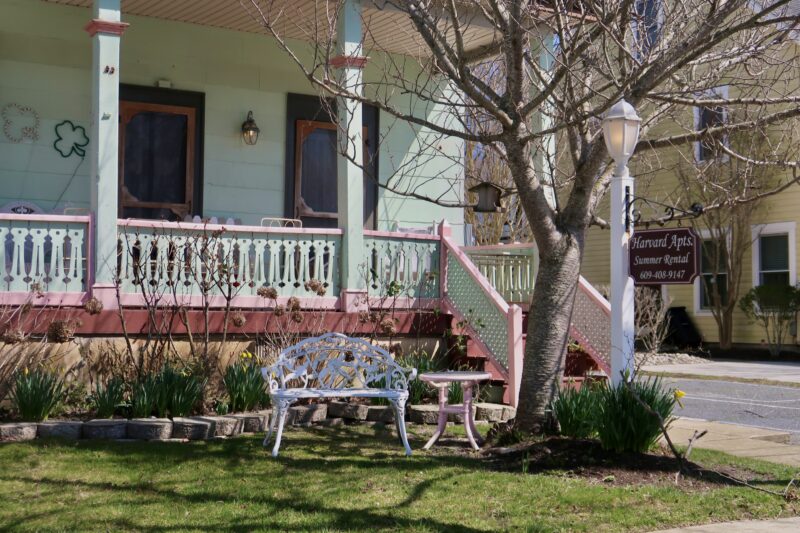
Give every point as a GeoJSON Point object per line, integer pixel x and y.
{"type": "Point", "coordinates": [548, 331]}
{"type": "Point", "coordinates": [725, 329]}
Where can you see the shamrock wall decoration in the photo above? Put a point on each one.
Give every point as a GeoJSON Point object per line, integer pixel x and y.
{"type": "Point", "coordinates": [70, 139]}
{"type": "Point", "coordinates": [20, 122]}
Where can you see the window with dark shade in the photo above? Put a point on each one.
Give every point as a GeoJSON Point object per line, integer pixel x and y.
{"type": "Point", "coordinates": [712, 277]}
{"type": "Point", "coordinates": [774, 260]}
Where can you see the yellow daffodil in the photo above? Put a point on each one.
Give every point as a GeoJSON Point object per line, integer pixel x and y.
{"type": "Point", "coordinates": [25, 371]}
{"type": "Point", "coordinates": [678, 395]}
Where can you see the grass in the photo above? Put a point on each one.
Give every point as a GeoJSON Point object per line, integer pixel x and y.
{"type": "Point", "coordinates": [351, 478]}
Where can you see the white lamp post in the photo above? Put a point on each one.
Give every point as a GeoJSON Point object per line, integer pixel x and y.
{"type": "Point", "coordinates": [621, 133]}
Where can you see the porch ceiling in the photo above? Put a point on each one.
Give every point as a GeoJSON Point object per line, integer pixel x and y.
{"type": "Point", "coordinates": [386, 29]}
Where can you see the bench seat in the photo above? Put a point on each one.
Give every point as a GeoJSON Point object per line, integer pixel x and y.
{"type": "Point", "coordinates": [339, 393]}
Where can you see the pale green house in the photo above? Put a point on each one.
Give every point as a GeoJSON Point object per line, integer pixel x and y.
{"type": "Point", "coordinates": [131, 125]}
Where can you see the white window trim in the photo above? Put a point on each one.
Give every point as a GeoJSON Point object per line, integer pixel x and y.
{"type": "Point", "coordinates": [776, 228]}
{"type": "Point", "coordinates": [660, 21]}
{"type": "Point", "coordinates": [716, 92]}
{"type": "Point", "coordinates": [705, 235]}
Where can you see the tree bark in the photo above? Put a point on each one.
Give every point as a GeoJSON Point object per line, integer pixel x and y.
{"type": "Point", "coordinates": [548, 330]}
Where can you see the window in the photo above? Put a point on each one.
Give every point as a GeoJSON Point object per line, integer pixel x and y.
{"type": "Point", "coordinates": [774, 256]}
{"type": "Point", "coordinates": [646, 25]}
{"type": "Point", "coordinates": [710, 117]}
{"type": "Point", "coordinates": [711, 277]}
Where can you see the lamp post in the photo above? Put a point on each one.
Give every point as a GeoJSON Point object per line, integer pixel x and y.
{"type": "Point", "coordinates": [621, 133]}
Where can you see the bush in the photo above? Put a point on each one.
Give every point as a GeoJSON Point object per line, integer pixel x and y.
{"type": "Point", "coordinates": [107, 398]}
{"type": "Point", "coordinates": [623, 424]}
{"type": "Point", "coordinates": [36, 394]}
{"type": "Point", "coordinates": [169, 393]}
{"type": "Point", "coordinates": [245, 385]}
{"type": "Point", "coordinates": [419, 390]}
{"type": "Point", "coordinates": [576, 411]}
{"type": "Point", "coordinates": [774, 307]}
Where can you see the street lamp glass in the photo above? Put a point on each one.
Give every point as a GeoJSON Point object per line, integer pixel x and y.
{"type": "Point", "coordinates": [621, 131]}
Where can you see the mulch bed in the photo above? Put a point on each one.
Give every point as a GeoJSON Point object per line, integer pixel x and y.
{"type": "Point", "coordinates": [586, 459]}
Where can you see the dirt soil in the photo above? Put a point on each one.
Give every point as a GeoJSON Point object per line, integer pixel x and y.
{"type": "Point", "coordinates": [586, 459]}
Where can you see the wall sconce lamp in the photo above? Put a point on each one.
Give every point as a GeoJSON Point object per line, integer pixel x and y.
{"type": "Point", "coordinates": [250, 130]}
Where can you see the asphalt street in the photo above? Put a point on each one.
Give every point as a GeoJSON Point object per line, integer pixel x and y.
{"type": "Point", "coordinates": [764, 406]}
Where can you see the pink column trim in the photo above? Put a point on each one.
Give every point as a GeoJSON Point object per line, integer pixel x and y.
{"type": "Point", "coordinates": [516, 353]}
{"type": "Point", "coordinates": [107, 27]}
{"type": "Point", "coordinates": [107, 294]}
{"type": "Point", "coordinates": [342, 61]}
{"type": "Point", "coordinates": [353, 301]}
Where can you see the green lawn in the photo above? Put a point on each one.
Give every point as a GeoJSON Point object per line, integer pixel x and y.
{"type": "Point", "coordinates": [338, 479]}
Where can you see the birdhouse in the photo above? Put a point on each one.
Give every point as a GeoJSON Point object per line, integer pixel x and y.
{"type": "Point", "coordinates": [488, 198]}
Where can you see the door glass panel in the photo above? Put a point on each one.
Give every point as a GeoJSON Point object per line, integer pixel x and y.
{"type": "Point", "coordinates": [318, 174]}
{"type": "Point", "coordinates": [155, 159]}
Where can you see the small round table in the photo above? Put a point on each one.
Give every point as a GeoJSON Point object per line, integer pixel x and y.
{"type": "Point", "coordinates": [467, 379]}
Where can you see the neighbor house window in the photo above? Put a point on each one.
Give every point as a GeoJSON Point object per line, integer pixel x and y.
{"type": "Point", "coordinates": [774, 256]}
{"type": "Point", "coordinates": [711, 116]}
{"type": "Point", "coordinates": [646, 25]}
{"type": "Point", "coordinates": [713, 274]}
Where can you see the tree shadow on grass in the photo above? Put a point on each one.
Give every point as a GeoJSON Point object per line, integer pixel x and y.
{"type": "Point", "coordinates": [264, 507]}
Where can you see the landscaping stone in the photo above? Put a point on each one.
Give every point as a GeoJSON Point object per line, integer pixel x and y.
{"type": "Point", "coordinates": [307, 414]}
{"type": "Point", "coordinates": [423, 414]}
{"type": "Point", "coordinates": [61, 429]}
{"type": "Point", "coordinates": [223, 426]}
{"type": "Point", "coordinates": [18, 432]}
{"type": "Point", "coordinates": [509, 413]}
{"type": "Point", "coordinates": [253, 422]}
{"type": "Point", "coordinates": [490, 412]}
{"type": "Point", "coordinates": [351, 411]}
{"type": "Point", "coordinates": [380, 413]}
{"type": "Point", "coordinates": [329, 422]}
{"type": "Point", "coordinates": [192, 428]}
{"type": "Point", "coordinates": [105, 429]}
{"type": "Point", "coordinates": [149, 428]}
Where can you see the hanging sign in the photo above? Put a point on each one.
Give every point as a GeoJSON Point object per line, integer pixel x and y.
{"type": "Point", "coordinates": [664, 256]}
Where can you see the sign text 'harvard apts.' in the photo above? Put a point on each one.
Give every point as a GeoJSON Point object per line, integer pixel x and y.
{"type": "Point", "coordinates": [664, 256]}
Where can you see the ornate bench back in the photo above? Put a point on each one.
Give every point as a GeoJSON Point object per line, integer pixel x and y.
{"type": "Point", "coordinates": [336, 361]}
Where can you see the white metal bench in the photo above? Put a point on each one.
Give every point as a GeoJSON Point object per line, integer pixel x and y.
{"type": "Point", "coordinates": [335, 366]}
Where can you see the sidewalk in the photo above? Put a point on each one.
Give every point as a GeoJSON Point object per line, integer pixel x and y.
{"type": "Point", "coordinates": [762, 370]}
{"type": "Point", "coordinates": [741, 441]}
{"type": "Point", "coordinates": [755, 526]}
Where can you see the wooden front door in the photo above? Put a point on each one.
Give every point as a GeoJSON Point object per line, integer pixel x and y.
{"type": "Point", "coordinates": [157, 159]}
{"type": "Point", "coordinates": [311, 163]}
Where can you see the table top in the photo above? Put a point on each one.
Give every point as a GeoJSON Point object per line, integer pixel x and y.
{"type": "Point", "coordinates": [454, 375]}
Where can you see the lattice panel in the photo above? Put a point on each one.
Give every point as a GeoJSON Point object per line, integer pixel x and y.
{"type": "Point", "coordinates": [472, 301]}
{"type": "Point", "coordinates": [593, 322]}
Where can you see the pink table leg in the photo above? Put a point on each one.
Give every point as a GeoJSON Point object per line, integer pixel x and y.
{"type": "Point", "coordinates": [469, 423]}
{"type": "Point", "coordinates": [442, 415]}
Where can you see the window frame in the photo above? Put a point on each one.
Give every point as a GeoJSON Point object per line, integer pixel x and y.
{"type": "Point", "coordinates": [721, 91]}
{"type": "Point", "coordinates": [776, 228]}
{"type": "Point", "coordinates": [659, 23]}
{"type": "Point", "coordinates": [705, 235]}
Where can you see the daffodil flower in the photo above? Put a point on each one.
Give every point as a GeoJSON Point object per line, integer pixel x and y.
{"type": "Point", "coordinates": [678, 395]}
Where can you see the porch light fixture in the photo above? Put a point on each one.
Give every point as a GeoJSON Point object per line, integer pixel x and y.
{"type": "Point", "coordinates": [488, 198]}
{"type": "Point", "coordinates": [250, 130]}
{"type": "Point", "coordinates": [621, 133]}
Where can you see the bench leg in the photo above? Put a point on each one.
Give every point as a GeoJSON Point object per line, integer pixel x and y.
{"type": "Point", "coordinates": [283, 410]}
{"type": "Point", "coordinates": [273, 421]}
{"type": "Point", "coordinates": [399, 406]}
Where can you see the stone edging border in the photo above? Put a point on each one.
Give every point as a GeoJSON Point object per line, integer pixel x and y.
{"type": "Point", "coordinates": [210, 427]}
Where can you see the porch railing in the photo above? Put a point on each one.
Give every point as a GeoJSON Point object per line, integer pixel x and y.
{"type": "Point", "coordinates": [44, 252]}
{"type": "Point", "coordinates": [196, 261]}
{"type": "Point", "coordinates": [510, 268]}
{"type": "Point", "coordinates": [403, 263]}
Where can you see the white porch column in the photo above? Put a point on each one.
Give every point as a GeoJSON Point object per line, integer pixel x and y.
{"type": "Point", "coordinates": [544, 154]}
{"type": "Point", "coordinates": [622, 288]}
{"type": "Point", "coordinates": [350, 177]}
{"type": "Point", "coordinates": [105, 29]}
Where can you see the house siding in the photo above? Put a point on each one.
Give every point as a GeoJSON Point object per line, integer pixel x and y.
{"type": "Point", "coordinates": [45, 57]}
